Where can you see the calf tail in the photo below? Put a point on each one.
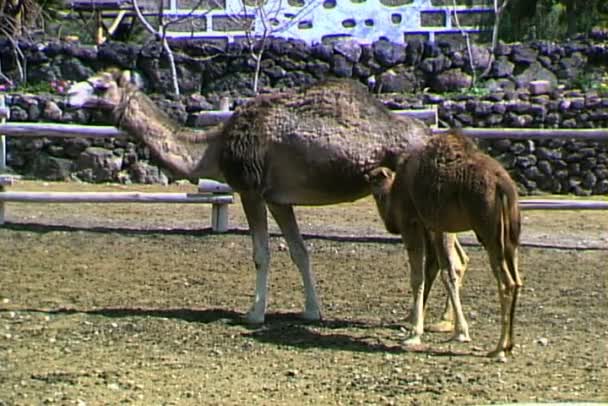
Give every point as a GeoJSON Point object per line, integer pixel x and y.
{"type": "Point", "coordinates": [511, 224]}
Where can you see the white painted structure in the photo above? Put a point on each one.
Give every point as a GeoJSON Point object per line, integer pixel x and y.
{"type": "Point", "coordinates": [313, 21]}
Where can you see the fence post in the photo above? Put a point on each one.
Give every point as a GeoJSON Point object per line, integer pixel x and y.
{"type": "Point", "coordinates": [219, 212]}
{"type": "Point", "coordinates": [4, 112]}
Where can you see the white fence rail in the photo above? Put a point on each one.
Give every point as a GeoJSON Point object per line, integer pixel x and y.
{"type": "Point", "coordinates": [211, 192]}
{"type": "Point", "coordinates": [220, 195]}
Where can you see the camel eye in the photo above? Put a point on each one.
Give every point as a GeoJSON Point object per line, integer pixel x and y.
{"type": "Point", "coordinates": [100, 87]}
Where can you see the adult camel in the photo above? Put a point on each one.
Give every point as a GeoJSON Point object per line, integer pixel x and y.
{"type": "Point", "coordinates": [311, 147]}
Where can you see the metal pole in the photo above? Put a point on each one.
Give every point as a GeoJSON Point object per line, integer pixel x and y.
{"type": "Point", "coordinates": [3, 115]}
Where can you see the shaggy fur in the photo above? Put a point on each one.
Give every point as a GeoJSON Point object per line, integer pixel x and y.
{"type": "Point", "coordinates": [448, 186]}
{"type": "Point", "coordinates": [309, 147]}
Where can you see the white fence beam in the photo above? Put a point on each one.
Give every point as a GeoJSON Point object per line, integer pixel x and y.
{"type": "Point", "coordinates": [556, 204]}
{"type": "Point", "coordinates": [591, 134]}
{"type": "Point", "coordinates": [4, 114]}
{"type": "Point", "coordinates": [113, 197]}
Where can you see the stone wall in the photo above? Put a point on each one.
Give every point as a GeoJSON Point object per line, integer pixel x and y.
{"type": "Point", "coordinates": [415, 75]}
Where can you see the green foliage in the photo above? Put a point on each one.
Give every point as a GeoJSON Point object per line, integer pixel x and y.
{"type": "Point", "coordinates": [34, 88]}
{"type": "Point", "coordinates": [551, 19]}
{"type": "Point", "coordinates": [594, 80]}
{"type": "Point", "coordinates": [601, 85]}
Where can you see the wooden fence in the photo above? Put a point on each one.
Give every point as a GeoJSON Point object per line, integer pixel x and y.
{"type": "Point", "coordinates": [220, 195]}
{"type": "Point", "coordinates": [211, 192]}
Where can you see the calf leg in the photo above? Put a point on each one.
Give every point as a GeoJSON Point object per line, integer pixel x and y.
{"type": "Point", "coordinates": [460, 260]}
{"type": "Point", "coordinates": [444, 243]}
{"type": "Point", "coordinates": [508, 292]}
{"type": "Point", "coordinates": [415, 244]}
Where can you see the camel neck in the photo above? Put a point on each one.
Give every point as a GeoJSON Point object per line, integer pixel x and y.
{"type": "Point", "coordinates": [187, 153]}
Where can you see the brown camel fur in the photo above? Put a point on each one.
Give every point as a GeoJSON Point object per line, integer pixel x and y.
{"type": "Point", "coordinates": [448, 186]}
{"type": "Point", "coordinates": [295, 148]}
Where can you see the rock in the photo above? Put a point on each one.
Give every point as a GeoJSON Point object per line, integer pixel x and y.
{"type": "Point", "coordinates": [400, 80]}
{"type": "Point", "coordinates": [97, 165]}
{"type": "Point", "coordinates": [589, 180]}
{"type": "Point", "coordinates": [322, 51]}
{"type": "Point", "coordinates": [73, 147]}
{"type": "Point", "coordinates": [341, 67]}
{"type": "Point", "coordinates": [74, 69]}
{"type": "Point", "coordinates": [525, 54]}
{"type": "Point", "coordinates": [348, 48]}
{"type": "Point", "coordinates": [548, 154]}
{"type": "Point", "coordinates": [502, 67]}
{"type": "Point", "coordinates": [601, 188]}
{"type": "Point", "coordinates": [570, 67]}
{"type": "Point", "coordinates": [414, 52]}
{"type": "Point", "coordinates": [451, 80]}
{"type": "Point", "coordinates": [545, 167]}
{"type": "Point", "coordinates": [481, 57]}
{"type": "Point", "coordinates": [435, 65]}
{"type": "Point", "coordinates": [537, 87]}
{"type": "Point", "coordinates": [388, 54]}
{"type": "Point", "coordinates": [52, 168]}
{"type": "Point", "coordinates": [18, 114]}
{"type": "Point", "coordinates": [118, 53]}
{"type": "Point", "coordinates": [51, 111]}
{"type": "Point", "coordinates": [533, 73]}
{"type": "Point", "coordinates": [143, 172]}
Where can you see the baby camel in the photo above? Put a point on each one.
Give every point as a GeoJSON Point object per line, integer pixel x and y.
{"type": "Point", "coordinates": [448, 186]}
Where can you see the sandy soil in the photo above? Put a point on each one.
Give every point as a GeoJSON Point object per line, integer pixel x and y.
{"type": "Point", "coordinates": [142, 304]}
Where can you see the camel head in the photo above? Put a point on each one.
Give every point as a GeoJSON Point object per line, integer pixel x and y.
{"type": "Point", "coordinates": [380, 180]}
{"type": "Point", "coordinates": [103, 91]}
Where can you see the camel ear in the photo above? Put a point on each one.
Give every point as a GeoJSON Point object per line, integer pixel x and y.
{"type": "Point", "coordinates": [384, 173]}
{"type": "Point", "coordinates": [129, 77]}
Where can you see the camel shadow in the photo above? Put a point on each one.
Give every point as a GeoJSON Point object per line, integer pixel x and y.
{"type": "Point", "coordinates": [40, 228]}
{"type": "Point", "coordinates": [280, 329]}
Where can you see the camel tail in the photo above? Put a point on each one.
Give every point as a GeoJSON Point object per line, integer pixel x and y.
{"type": "Point", "coordinates": [511, 224]}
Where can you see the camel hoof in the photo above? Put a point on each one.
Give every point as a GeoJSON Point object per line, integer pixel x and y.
{"type": "Point", "coordinates": [254, 318]}
{"type": "Point", "coordinates": [461, 338]}
{"type": "Point", "coordinates": [413, 340]}
{"type": "Point", "coordinates": [443, 326]}
{"type": "Point", "coordinates": [498, 355]}
{"type": "Point", "coordinates": [308, 315]}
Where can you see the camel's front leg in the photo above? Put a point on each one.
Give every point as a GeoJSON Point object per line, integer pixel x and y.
{"type": "Point", "coordinates": [414, 241]}
{"type": "Point", "coordinates": [286, 220]}
{"type": "Point", "coordinates": [444, 243]}
{"type": "Point", "coordinates": [255, 211]}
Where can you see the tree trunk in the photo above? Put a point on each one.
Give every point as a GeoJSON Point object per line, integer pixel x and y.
{"type": "Point", "coordinates": [571, 17]}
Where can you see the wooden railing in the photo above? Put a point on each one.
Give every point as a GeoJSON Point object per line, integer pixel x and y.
{"type": "Point", "coordinates": [220, 195]}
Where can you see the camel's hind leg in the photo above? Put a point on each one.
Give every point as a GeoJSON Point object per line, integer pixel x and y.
{"type": "Point", "coordinates": [444, 243]}
{"type": "Point", "coordinates": [286, 219]}
{"type": "Point", "coordinates": [255, 211]}
{"type": "Point", "coordinates": [508, 290]}
{"type": "Point", "coordinates": [460, 260]}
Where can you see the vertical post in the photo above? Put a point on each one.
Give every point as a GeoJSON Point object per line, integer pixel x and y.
{"type": "Point", "coordinates": [219, 218]}
{"type": "Point", "coordinates": [99, 37]}
{"type": "Point", "coordinates": [219, 212]}
{"type": "Point", "coordinates": [3, 116]}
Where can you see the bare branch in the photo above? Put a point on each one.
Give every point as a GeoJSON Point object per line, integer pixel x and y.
{"type": "Point", "coordinates": [498, 10]}
{"type": "Point", "coordinates": [467, 40]}
{"type": "Point", "coordinates": [164, 42]}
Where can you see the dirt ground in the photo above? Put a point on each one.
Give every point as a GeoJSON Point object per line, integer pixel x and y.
{"type": "Point", "coordinates": [142, 304]}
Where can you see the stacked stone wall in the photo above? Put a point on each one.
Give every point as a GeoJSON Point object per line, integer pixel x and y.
{"type": "Point", "coordinates": [417, 74]}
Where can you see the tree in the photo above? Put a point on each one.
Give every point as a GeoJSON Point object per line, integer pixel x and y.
{"type": "Point", "coordinates": [551, 19]}
{"type": "Point", "coordinates": [267, 23]}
